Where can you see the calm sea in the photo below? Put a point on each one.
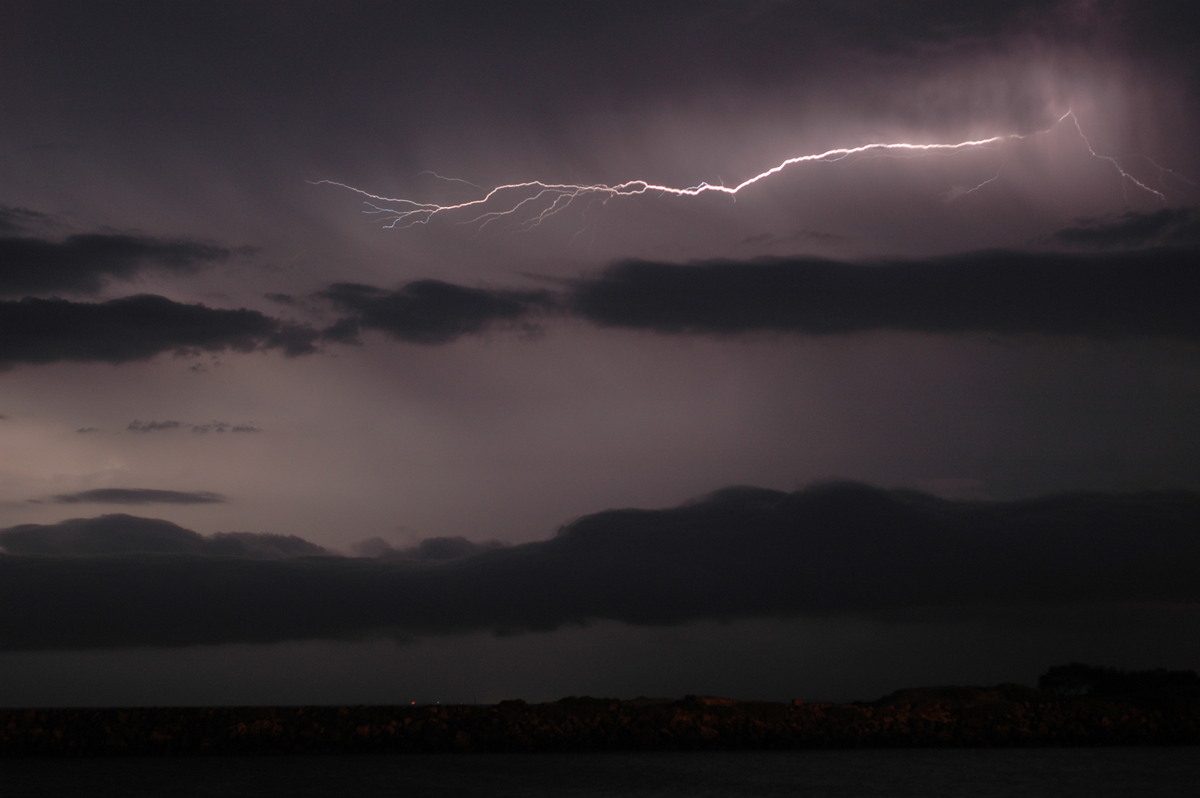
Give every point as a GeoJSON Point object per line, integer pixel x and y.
{"type": "Point", "coordinates": [978, 773]}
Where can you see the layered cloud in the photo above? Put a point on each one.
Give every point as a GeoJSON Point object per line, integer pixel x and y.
{"type": "Point", "coordinates": [1134, 275]}
{"type": "Point", "coordinates": [738, 553]}
{"type": "Point", "coordinates": [37, 325]}
{"type": "Point", "coordinates": [34, 330]}
{"type": "Point", "coordinates": [84, 262]}
{"type": "Point", "coordinates": [1139, 293]}
{"type": "Point", "coordinates": [1124, 289]}
{"type": "Point", "coordinates": [1141, 279]}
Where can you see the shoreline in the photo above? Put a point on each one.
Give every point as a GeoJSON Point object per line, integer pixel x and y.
{"type": "Point", "coordinates": [955, 717]}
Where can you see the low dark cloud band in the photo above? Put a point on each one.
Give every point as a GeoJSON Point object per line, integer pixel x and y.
{"type": "Point", "coordinates": [740, 553]}
{"type": "Point", "coordinates": [131, 536]}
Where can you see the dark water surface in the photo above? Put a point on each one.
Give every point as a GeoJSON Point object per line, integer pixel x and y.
{"type": "Point", "coordinates": [979, 773]}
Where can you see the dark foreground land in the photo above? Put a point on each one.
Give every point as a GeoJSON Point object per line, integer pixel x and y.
{"type": "Point", "coordinates": [1006, 715]}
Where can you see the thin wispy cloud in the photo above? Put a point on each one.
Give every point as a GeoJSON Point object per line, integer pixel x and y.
{"type": "Point", "coordinates": [138, 496]}
{"type": "Point", "coordinates": [218, 427]}
{"type": "Point", "coordinates": [1164, 227]}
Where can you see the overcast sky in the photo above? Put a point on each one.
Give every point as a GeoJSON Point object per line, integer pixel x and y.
{"type": "Point", "coordinates": [294, 409]}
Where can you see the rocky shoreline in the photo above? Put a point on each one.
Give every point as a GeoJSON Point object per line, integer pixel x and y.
{"type": "Point", "coordinates": [1005, 715]}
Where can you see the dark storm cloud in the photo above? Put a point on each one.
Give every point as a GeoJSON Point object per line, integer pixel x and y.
{"type": "Point", "coordinates": [120, 534]}
{"type": "Point", "coordinates": [1128, 292]}
{"type": "Point", "coordinates": [1164, 227]}
{"type": "Point", "coordinates": [742, 552]}
{"type": "Point", "coordinates": [84, 262]}
{"type": "Point", "coordinates": [1150, 292]}
{"type": "Point", "coordinates": [426, 311]}
{"type": "Point", "coordinates": [109, 534]}
{"type": "Point", "coordinates": [139, 327]}
{"type": "Point", "coordinates": [138, 496]}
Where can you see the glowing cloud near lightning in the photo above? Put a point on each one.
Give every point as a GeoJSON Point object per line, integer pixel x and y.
{"type": "Point", "coordinates": [531, 202]}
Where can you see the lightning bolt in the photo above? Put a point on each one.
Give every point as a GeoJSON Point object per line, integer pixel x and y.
{"type": "Point", "coordinates": [1126, 178]}
{"type": "Point", "coordinates": [532, 202]}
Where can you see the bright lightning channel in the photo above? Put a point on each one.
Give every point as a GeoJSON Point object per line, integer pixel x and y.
{"type": "Point", "coordinates": [534, 201]}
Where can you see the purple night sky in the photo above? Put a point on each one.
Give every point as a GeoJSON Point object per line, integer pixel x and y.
{"type": "Point", "coordinates": [900, 417]}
